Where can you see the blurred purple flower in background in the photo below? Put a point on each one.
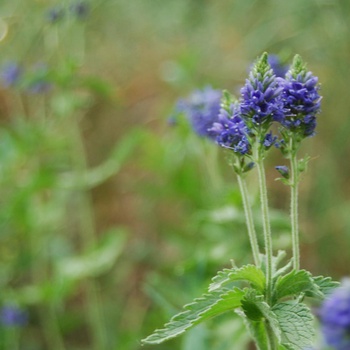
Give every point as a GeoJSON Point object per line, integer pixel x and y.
{"type": "Point", "coordinates": [11, 74]}
{"type": "Point", "coordinates": [55, 14]}
{"type": "Point", "coordinates": [40, 83]}
{"type": "Point", "coordinates": [277, 66]}
{"type": "Point", "coordinates": [335, 317]}
{"type": "Point", "coordinates": [202, 108]}
{"type": "Point", "coordinates": [80, 9]}
{"type": "Point", "coordinates": [11, 316]}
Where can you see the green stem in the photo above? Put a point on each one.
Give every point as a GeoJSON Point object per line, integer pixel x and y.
{"type": "Point", "coordinates": [93, 302]}
{"type": "Point", "coordinates": [249, 219]}
{"type": "Point", "coordinates": [294, 210]}
{"type": "Point", "coordinates": [270, 337]}
{"type": "Point", "coordinates": [266, 226]}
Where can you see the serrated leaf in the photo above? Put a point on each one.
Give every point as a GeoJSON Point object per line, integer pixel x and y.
{"type": "Point", "coordinates": [249, 273]}
{"type": "Point", "coordinates": [209, 305]}
{"type": "Point", "coordinates": [296, 323]}
{"type": "Point", "coordinates": [255, 308]}
{"type": "Point", "coordinates": [324, 284]}
{"type": "Point", "coordinates": [294, 283]}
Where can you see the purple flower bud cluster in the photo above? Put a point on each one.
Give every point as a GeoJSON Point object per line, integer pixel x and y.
{"type": "Point", "coordinates": [231, 131]}
{"type": "Point", "coordinates": [292, 101]}
{"type": "Point", "coordinates": [302, 101]}
{"type": "Point", "coordinates": [335, 318]}
{"type": "Point", "coordinates": [260, 96]}
{"type": "Point", "coordinates": [202, 110]}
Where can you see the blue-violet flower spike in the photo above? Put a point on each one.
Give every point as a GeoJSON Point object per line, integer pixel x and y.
{"type": "Point", "coordinates": [260, 97]}
{"type": "Point", "coordinates": [335, 318]}
{"type": "Point", "coordinates": [301, 99]}
{"type": "Point", "coordinates": [231, 130]}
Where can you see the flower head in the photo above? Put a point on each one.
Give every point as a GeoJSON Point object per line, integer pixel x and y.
{"type": "Point", "coordinates": [335, 318]}
{"type": "Point", "coordinates": [11, 74]}
{"type": "Point", "coordinates": [202, 110]}
{"type": "Point", "coordinates": [231, 130]}
{"type": "Point", "coordinates": [13, 316]}
{"type": "Point", "coordinates": [301, 99]}
{"type": "Point", "coordinates": [260, 102]}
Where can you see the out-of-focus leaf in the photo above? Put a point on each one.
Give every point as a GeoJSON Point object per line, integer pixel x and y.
{"type": "Point", "coordinates": [96, 262]}
{"type": "Point", "coordinates": [94, 177]}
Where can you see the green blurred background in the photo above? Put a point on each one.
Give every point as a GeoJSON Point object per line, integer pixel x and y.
{"type": "Point", "coordinates": [110, 218]}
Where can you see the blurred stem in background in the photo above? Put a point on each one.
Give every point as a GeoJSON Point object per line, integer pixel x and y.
{"type": "Point", "coordinates": [86, 214]}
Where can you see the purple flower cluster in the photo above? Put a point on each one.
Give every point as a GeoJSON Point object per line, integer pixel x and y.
{"type": "Point", "coordinates": [231, 131]}
{"type": "Point", "coordinates": [11, 74]}
{"type": "Point", "coordinates": [292, 101]}
{"type": "Point", "coordinates": [35, 81]}
{"type": "Point", "coordinates": [301, 100]}
{"type": "Point", "coordinates": [12, 316]}
{"type": "Point", "coordinates": [335, 318]}
{"type": "Point", "coordinates": [79, 10]}
{"type": "Point", "coordinates": [260, 97]}
{"type": "Point", "coordinates": [202, 110]}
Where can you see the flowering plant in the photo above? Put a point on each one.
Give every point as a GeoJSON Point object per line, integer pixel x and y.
{"type": "Point", "coordinates": [268, 295]}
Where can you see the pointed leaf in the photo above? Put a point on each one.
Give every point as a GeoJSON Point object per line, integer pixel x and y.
{"type": "Point", "coordinates": [209, 305]}
{"type": "Point", "coordinates": [249, 273]}
{"type": "Point", "coordinates": [296, 323]}
{"type": "Point", "coordinates": [324, 284]}
{"type": "Point", "coordinates": [295, 282]}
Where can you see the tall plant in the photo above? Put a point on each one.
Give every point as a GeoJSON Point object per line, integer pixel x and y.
{"type": "Point", "coordinates": [271, 301]}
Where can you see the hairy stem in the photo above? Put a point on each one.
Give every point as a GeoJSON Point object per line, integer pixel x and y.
{"type": "Point", "coordinates": [270, 337]}
{"type": "Point", "coordinates": [294, 210]}
{"type": "Point", "coordinates": [266, 226]}
{"type": "Point", "coordinates": [249, 219]}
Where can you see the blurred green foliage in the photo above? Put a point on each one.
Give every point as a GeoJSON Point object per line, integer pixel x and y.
{"type": "Point", "coordinates": [110, 218]}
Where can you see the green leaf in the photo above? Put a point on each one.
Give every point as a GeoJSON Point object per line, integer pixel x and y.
{"type": "Point", "coordinates": [324, 284]}
{"type": "Point", "coordinates": [294, 283]}
{"type": "Point", "coordinates": [256, 308]}
{"type": "Point", "coordinates": [94, 177]}
{"type": "Point", "coordinates": [95, 262]}
{"type": "Point", "coordinates": [209, 305]}
{"type": "Point", "coordinates": [249, 273]}
{"type": "Point", "coordinates": [296, 323]}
